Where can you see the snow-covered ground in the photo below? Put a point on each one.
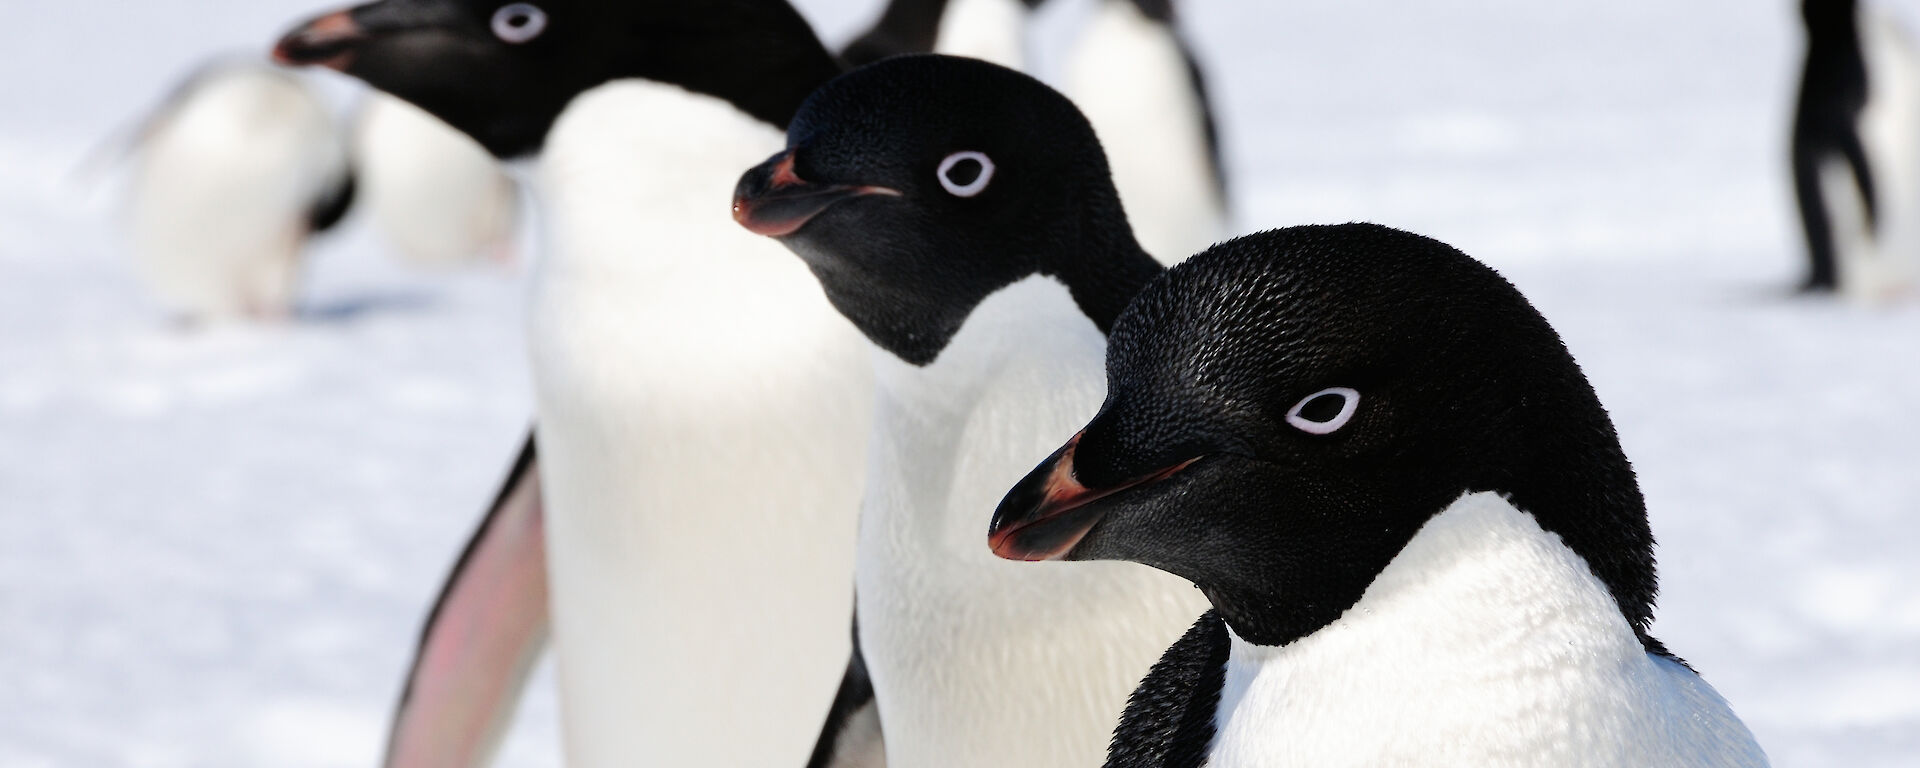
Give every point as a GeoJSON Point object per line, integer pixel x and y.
{"type": "Point", "coordinates": [215, 548]}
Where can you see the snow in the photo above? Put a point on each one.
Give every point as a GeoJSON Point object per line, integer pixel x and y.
{"type": "Point", "coordinates": [216, 547]}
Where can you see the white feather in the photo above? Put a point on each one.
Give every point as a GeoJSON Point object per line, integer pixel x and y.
{"type": "Point", "coordinates": [1874, 269]}
{"type": "Point", "coordinates": [978, 661]}
{"type": "Point", "coordinates": [1128, 76]}
{"type": "Point", "coordinates": [226, 177]}
{"type": "Point", "coordinates": [990, 30]}
{"type": "Point", "coordinates": [1486, 642]}
{"type": "Point", "coordinates": [438, 198]}
{"type": "Point", "coordinates": [703, 415]}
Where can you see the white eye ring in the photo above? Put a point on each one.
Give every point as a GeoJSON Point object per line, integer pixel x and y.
{"type": "Point", "coordinates": [519, 22]}
{"type": "Point", "coordinates": [969, 189]}
{"type": "Point", "coordinates": [1351, 403]}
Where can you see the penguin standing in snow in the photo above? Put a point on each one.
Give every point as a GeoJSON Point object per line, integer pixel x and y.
{"type": "Point", "coordinates": [233, 174]}
{"type": "Point", "coordinates": [1856, 170]}
{"type": "Point", "coordinates": [1130, 72]}
{"type": "Point", "coordinates": [961, 215]}
{"type": "Point", "coordinates": [438, 199]}
{"type": "Point", "coordinates": [1421, 539]}
{"type": "Point", "coordinates": [702, 411]}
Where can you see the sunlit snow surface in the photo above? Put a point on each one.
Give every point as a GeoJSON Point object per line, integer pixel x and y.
{"type": "Point", "coordinates": [216, 547]}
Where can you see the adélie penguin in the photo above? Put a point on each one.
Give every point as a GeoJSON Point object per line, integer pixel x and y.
{"type": "Point", "coordinates": [233, 174]}
{"type": "Point", "coordinates": [437, 198]}
{"type": "Point", "coordinates": [1131, 72]}
{"type": "Point", "coordinates": [961, 215]}
{"type": "Point", "coordinates": [702, 411]}
{"type": "Point", "coordinates": [1855, 156]}
{"type": "Point", "coordinates": [1421, 539]}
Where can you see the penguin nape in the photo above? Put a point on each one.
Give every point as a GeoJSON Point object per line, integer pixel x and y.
{"type": "Point", "coordinates": [437, 198]}
{"type": "Point", "coordinates": [233, 173]}
{"type": "Point", "coordinates": [1134, 76]}
{"type": "Point", "coordinates": [962, 216]}
{"type": "Point", "coordinates": [702, 411]}
{"type": "Point", "coordinates": [1855, 161]}
{"type": "Point", "coordinates": [1420, 536]}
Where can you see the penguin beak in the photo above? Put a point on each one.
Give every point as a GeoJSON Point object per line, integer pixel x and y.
{"type": "Point", "coordinates": [1047, 514]}
{"type": "Point", "coordinates": [773, 200]}
{"type": "Point", "coordinates": [329, 41]}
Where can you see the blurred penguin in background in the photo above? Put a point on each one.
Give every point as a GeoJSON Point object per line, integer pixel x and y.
{"type": "Point", "coordinates": [1136, 79]}
{"type": "Point", "coordinates": [234, 172]}
{"type": "Point", "coordinates": [990, 30]}
{"type": "Point", "coordinates": [436, 196]}
{"type": "Point", "coordinates": [1133, 75]}
{"type": "Point", "coordinates": [1856, 130]}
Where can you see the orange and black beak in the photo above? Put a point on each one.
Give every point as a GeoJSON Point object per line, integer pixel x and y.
{"type": "Point", "coordinates": [329, 41]}
{"type": "Point", "coordinates": [773, 200]}
{"type": "Point", "coordinates": [1047, 514]}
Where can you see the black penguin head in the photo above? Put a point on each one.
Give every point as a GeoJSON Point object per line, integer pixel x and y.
{"type": "Point", "coordinates": [502, 70]}
{"type": "Point", "coordinates": [1286, 410]}
{"type": "Point", "coordinates": [916, 187]}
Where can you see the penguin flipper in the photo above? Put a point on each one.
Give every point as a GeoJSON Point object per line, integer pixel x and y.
{"type": "Point", "coordinates": [482, 637]}
{"type": "Point", "coordinates": [1169, 718]}
{"type": "Point", "coordinates": [852, 736]}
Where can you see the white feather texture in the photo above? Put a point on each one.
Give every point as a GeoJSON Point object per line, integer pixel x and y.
{"type": "Point", "coordinates": [703, 418]}
{"type": "Point", "coordinates": [1486, 642]}
{"type": "Point", "coordinates": [1128, 76]}
{"type": "Point", "coordinates": [436, 196]}
{"type": "Point", "coordinates": [226, 177]}
{"type": "Point", "coordinates": [978, 661]}
{"type": "Point", "coordinates": [1875, 269]}
{"type": "Point", "coordinates": [990, 30]}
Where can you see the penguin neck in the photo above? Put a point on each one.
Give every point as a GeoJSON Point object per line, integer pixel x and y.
{"type": "Point", "coordinates": [1457, 630]}
{"type": "Point", "coordinates": [783, 73]}
{"type": "Point", "coordinates": [628, 181]}
{"type": "Point", "coordinates": [1108, 268]}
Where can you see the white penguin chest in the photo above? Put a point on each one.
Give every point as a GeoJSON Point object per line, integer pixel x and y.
{"type": "Point", "coordinates": [1486, 642]}
{"type": "Point", "coordinates": [970, 653]}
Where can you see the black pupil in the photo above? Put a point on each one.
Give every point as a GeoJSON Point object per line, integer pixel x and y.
{"type": "Point", "coordinates": [519, 20]}
{"type": "Point", "coordinates": [1324, 408]}
{"type": "Point", "coordinates": [965, 172]}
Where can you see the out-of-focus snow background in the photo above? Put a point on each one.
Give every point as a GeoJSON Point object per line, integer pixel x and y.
{"type": "Point", "coordinates": [216, 547]}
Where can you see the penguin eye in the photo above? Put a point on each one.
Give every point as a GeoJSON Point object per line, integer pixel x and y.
{"type": "Point", "coordinates": [519, 22]}
{"type": "Point", "coordinates": [1324, 412]}
{"type": "Point", "coordinates": [965, 174]}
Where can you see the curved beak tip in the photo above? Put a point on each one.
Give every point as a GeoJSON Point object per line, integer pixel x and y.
{"type": "Point", "coordinates": [1048, 514]}
{"type": "Point", "coordinates": [772, 200]}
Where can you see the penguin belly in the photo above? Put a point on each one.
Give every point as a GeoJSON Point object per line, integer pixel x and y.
{"type": "Point", "coordinates": [225, 181]}
{"type": "Point", "coordinates": [978, 661]}
{"type": "Point", "coordinates": [1486, 641]}
{"type": "Point", "coordinates": [702, 421]}
{"type": "Point", "coordinates": [436, 196]}
{"type": "Point", "coordinates": [1883, 263]}
{"type": "Point", "coordinates": [989, 30]}
{"type": "Point", "coordinates": [1130, 76]}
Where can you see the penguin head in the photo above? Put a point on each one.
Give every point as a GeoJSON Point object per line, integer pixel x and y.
{"type": "Point", "coordinates": [917, 186]}
{"type": "Point", "coordinates": [503, 70]}
{"type": "Point", "coordinates": [1286, 410]}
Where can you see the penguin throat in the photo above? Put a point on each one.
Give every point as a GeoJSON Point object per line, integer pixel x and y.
{"type": "Point", "coordinates": [1445, 657]}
